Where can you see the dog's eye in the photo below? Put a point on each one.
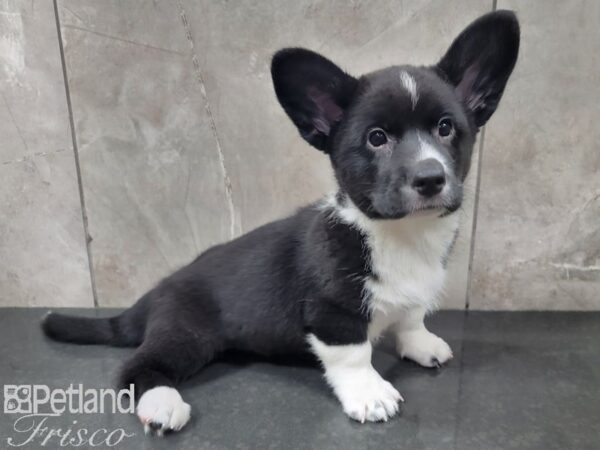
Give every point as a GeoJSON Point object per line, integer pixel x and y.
{"type": "Point", "coordinates": [445, 127]}
{"type": "Point", "coordinates": [377, 137]}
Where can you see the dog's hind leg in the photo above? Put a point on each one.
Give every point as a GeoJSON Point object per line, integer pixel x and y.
{"type": "Point", "coordinates": [177, 344]}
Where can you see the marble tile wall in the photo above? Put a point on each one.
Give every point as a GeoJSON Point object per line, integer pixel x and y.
{"type": "Point", "coordinates": [43, 258]}
{"type": "Point", "coordinates": [537, 242]}
{"type": "Point", "coordinates": [182, 144]}
{"type": "Point", "coordinates": [151, 167]}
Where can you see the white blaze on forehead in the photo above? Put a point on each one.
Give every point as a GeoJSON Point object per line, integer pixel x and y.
{"type": "Point", "coordinates": [409, 83]}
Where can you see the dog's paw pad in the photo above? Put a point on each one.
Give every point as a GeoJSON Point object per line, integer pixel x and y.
{"type": "Point", "coordinates": [162, 409]}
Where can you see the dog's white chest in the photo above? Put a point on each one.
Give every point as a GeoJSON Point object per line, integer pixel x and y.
{"type": "Point", "coordinates": [406, 257]}
{"type": "Point", "coordinates": [407, 260]}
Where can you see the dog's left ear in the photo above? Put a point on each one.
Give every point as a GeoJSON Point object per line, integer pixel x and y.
{"type": "Point", "coordinates": [480, 60]}
{"type": "Point", "coordinates": [313, 91]}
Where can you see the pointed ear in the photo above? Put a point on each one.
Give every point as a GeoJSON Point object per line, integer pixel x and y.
{"type": "Point", "coordinates": [313, 91]}
{"type": "Point", "coordinates": [480, 61]}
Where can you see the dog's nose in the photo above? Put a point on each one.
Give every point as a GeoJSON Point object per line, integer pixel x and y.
{"type": "Point", "coordinates": [429, 177]}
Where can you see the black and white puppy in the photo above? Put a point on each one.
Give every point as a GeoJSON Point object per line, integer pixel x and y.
{"type": "Point", "coordinates": [337, 274]}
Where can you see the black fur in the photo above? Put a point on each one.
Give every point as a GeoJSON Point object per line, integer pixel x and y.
{"type": "Point", "coordinates": [264, 291]}
{"type": "Point", "coordinates": [480, 61]}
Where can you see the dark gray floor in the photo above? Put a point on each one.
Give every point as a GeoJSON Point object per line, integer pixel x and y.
{"type": "Point", "coordinates": [518, 381]}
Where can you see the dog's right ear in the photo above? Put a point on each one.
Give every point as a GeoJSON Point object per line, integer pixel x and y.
{"type": "Point", "coordinates": [313, 91]}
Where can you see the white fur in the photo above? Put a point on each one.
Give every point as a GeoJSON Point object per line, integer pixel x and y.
{"type": "Point", "coordinates": [406, 255]}
{"type": "Point", "coordinates": [364, 395]}
{"type": "Point", "coordinates": [410, 84]}
{"type": "Point", "coordinates": [428, 151]}
{"type": "Point", "coordinates": [414, 341]}
{"type": "Point", "coordinates": [163, 406]}
{"type": "Point", "coordinates": [423, 347]}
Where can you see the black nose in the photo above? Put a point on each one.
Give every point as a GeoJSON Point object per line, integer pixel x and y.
{"type": "Point", "coordinates": [429, 177]}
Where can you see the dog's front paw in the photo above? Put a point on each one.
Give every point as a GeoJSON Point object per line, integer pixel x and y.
{"type": "Point", "coordinates": [162, 409]}
{"type": "Point", "coordinates": [368, 397]}
{"type": "Point", "coordinates": [424, 348]}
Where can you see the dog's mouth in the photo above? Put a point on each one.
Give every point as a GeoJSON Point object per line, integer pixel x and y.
{"type": "Point", "coordinates": [382, 205]}
{"type": "Point", "coordinates": [428, 210]}
{"type": "Point", "coordinates": [433, 208]}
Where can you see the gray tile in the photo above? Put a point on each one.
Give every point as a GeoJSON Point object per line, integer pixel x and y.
{"type": "Point", "coordinates": [518, 381]}
{"type": "Point", "coordinates": [53, 367]}
{"type": "Point", "coordinates": [151, 170]}
{"type": "Point", "coordinates": [530, 381]}
{"type": "Point", "coordinates": [272, 170]}
{"type": "Point", "coordinates": [43, 260]}
{"type": "Point", "coordinates": [244, 402]}
{"type": "Point", "coordinates": [537, 244]}
{"type": "Point", "coordinates": [33, 109]}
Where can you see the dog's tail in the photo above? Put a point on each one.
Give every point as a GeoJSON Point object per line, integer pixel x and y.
{"type": "Point", "coordinates": [123, 330]}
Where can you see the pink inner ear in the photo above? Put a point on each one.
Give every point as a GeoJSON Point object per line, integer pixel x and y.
{"type": "Point", "coordinates": [466, 89]}
{"type": "Point", "coordinates": [322, 126]}
{"type": "Point", "coordinates": [328, 111]}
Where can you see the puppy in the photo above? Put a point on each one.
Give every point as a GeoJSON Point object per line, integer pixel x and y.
{"type": "Point", "coordinates": [333, 277]}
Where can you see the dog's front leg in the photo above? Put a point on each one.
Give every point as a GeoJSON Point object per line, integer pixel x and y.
{"type": "Point", "coordinates": [361, 390]}
{"type": "Point", "coordinates": [414, 341]}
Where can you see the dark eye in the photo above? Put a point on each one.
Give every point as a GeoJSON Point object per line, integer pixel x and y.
{"type": "Point", "coordinates": [377, 137]}
{"type": "Point", "coordinates": [445, 127]}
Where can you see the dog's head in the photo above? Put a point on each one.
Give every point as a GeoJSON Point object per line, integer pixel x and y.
{"type": "Point", "coordinates": [400, 139]}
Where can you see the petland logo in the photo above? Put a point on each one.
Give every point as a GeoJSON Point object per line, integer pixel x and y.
{"type": "Point", "coordinates": [38, 404]}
